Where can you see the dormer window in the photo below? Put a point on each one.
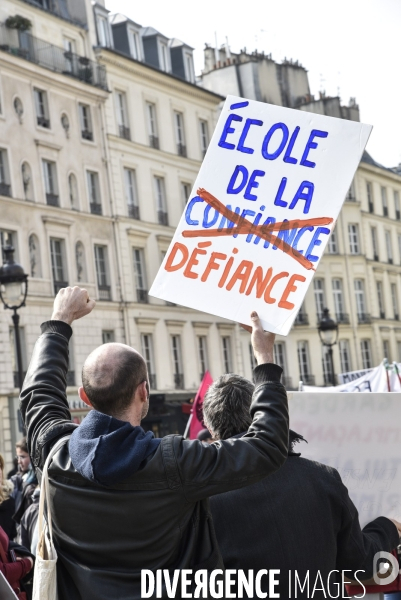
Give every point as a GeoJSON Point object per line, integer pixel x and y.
{"type": "Point", "coordinates": [164, 57]}
{"type": "Point", "coordinates": [134, 44]}
{"type": "Point", "coordinates": [103, 31]}
{"type": "Point", "coordinates": [189, 67]}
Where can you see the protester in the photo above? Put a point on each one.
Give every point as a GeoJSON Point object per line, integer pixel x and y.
{"type": "Point", "coordinates": [24, 483]}
{"type": "Point", "coordinates": [7, 506]}
{"type": "Point", "coordinates": [28, 523]}
{"type": "Point", "coordinates": [121, 500]}
{"type": "Point", "coordinates": [300, 519]}
{"type": "Point", "coordinates": [13, 571]}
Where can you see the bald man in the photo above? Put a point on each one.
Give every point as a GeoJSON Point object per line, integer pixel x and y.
{"type": "Point", "coordinates": [123, 502]}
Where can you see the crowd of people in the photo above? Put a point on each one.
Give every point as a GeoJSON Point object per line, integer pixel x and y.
{"type": "Point", "coordinates": [122, 501]}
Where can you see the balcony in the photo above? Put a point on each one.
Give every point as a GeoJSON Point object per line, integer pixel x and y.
{"type": "Point", "coordinates": [375, 258]}
{"type": "Point", "coordinates": [382, 314]}
{"type": "Point", "coordinates": [162, 217]}
{"type": "Point", "coordinates": [152, 381]}
{"type": "Point", "coordinates": [5, 189]}
{"type": "Point", "coordinates": [142, 296]}
{"type": "Point", "coordinates": [364, 318]}
{"type": "Point", "coordinates": [28, 47]}
{"type": "Point", "coordinates": [43, 122]}
{"type": "Point", "coordinates": [182, 150]}
{"type": "Point", "coordinates": [390, 261]}
{"type": "Point", "coordinates": [385, 211]}
{"type": "Point", "coordinates": [104, 292]}
{"type": "Point", "coordinates": [71, 378]}
{"type": "Point", "coordinates": [307, 379]}
{"type": "Point", "coordinates": [96, 209]}
{"type": "Point", "coordinates": [178, 381]}
{"type": "Point", "coordinates": [52, 199]}
{"type": "Point", "coordinates": [286, 381]}
{"type": "Point", "coordinates": [124, 132]}
{"type": "Point", "coordinates": [133, 211]}
{"type": "Point", "coordinates": [301, 319]}
{"type": "Point", "coordinates": [396, 317]}
{"type": "Point", "coordinates": [58, 285]}
{"type": "Point", "coordinates": [86, 134]}
{"type": "Point", "coordinates": [16, 380]}
{"type": "Point", "coordinates": [342, 318]}
{"type": "Point", "coordinates": [371, 207]}
{"type": "Point", "coordinates": [154, 142]}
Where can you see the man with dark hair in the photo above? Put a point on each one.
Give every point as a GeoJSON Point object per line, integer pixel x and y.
{"type": "Point", "coordinates": [121, 500]}
{"type": "Point", "coordinates": [24, 483]}
{"type": "Point", "coordinates": [300, 519]}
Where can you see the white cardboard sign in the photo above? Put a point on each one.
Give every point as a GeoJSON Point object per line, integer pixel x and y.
{"type": "Point", "coordinates": [359, 435]}
{"type": "Point", "coordinates": [260, 213]}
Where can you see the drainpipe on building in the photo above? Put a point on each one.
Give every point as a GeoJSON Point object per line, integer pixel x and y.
{"type": "Point", "coordinates": [114, 220]}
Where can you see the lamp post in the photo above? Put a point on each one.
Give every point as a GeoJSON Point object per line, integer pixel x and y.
{"type": "Point", "coordinates": [13, 292]}
{"type": "Point", "coordinates": [328, 333]}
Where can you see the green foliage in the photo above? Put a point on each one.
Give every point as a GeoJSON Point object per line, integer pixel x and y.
{"type": "Point", "coordinates": [18, 22]}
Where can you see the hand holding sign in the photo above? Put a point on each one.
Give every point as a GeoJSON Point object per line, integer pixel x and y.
{"type": "Point", "coordinates": [263, 206]}
{"type": "Point", "coordinates": [262, 341]}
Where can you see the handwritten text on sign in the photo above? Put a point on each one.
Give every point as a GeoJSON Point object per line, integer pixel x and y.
{"type": "Point", "coordinates": [260, 213]}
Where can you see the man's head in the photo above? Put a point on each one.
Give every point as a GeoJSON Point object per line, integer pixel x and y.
{"type": "Point", "coordinates": [24, 461]}
{"type": "Point", "coordinates": [226, 406]}
{"type": "Point", "coordinates": [115, 382]}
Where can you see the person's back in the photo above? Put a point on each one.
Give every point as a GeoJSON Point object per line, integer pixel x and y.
{"type": "Point", "coordinates": [300, 520]}
{"type": "Point", "coordinates": [121, 500]}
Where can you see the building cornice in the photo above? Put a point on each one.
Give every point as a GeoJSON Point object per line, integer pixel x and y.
{"type": "Point", "coordinates": [382, 171]}
{"type": "Point", "coordinates": [112, 57]}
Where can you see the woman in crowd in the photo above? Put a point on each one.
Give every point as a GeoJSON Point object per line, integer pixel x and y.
{"type": "Point", "coordinates": [13, 565]}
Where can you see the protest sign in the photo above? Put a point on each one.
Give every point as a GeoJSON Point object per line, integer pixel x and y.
{"type": "Point", "coordinates": [359, 435]}
{"type": "Point", "coordinates": [260, 213]}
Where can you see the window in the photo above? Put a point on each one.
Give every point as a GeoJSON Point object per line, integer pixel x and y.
{"type": "Point", "coordinates": [338, 296]}
{"type": "Point", "coordinates": [26, 174]}
{"type": "Point", "coordinates": [131, 195]}
{"type": "Point", "coordinates": [42, 108]}
{"type": "Point", "coordinates": [34, 256]}
{"type": "Point", "coordinates": [202, 353]}
{"type": "Point", "coordinates": [204, 136]}
{"type": "Point", "coordinates": [122, 116]}
{"type": "Point", "coordinates": [359, 287]}
{"type": "Point", "coordinates": [394, 301]}
{"type": "Point", "coordinates": [14, 359]}
{"type": "Point", "coordinates": [102, 31]}
{"type": "Point", "coordinates": [162, 216]}
{"type": "Point", "coordinates": [375, 247]}
{"type": "Point", "coordinates": [80, 262]}
{"type": "Point", "coordinates": [320, 301]}
{"type": "Point", "coordinates": [389, 247]}
{"type": "Point", "coordinates": [353, 236]}
{"type": "Point", "coordinates": [164, 57]}
{"type": "Point", "coordinates": [384, 201]}
{"type": "Point", "coordinates": [397, 206]}
{"type": "Point", "coordinates": [102, 272]}
{"type": "Point", "coordinates": [345, 356]}
{"type": "Point", "coordinates": [366, 354]}
{"type": "Point", "coordinates": [140, 275]}
{"type": "Point", "coordinates": [380, 299]}
{"type": "Point", "coordinates": [189, 67]}
{"type": "Point", "coordinates": [94, 192]}
{"type": "Point", "coordinates": [227, 356]}
{"type": "Point", "coordinates": [351, 193]}
{"type": "Point", "coordinates": [8, 238]}
{"type": "Point", "coordinates": [332, 245]}
{"type": "Point", "coordinates": [5, 187]}
{"type": "Point", "coordinates": [179, 134]}
{"type": "Point", "coordinates": [386, 349]}
{"type": "Point", "coordinates": [73, 191]}
{"type": "Point", "coordinates": [108, 336]}
{"type": "Point", "coordinates": [280, 358]}
{"type": "Point", "coordinates": [304, 363]}
{"type": "Point", "coordinates": [177, 362]}
{"type": "Point", "coordinates": [134, 44]}
{"type": "Point", "coordinates": [399, 246]}
{"type": "Point", "coordinates": [85, 121]}
{"type": "Point", "coordinates": [147, 353]}
{"type": "Point", "coordinates": [59, 271]}
{"type": "Point", "coordinates": [252, 358]}
{"type": "Point", "coordinates": [51, 187]}
{"type": "Point", "coordinates": [369, 191]}
{"type": "Point", "coordinates": [69, 47]}
{"type": "Point", "coordinates": [326, 367]}
{"type": "Point", "coordinates": [152, 125]}
{"type": "Point", "coordinates": [185, 192]}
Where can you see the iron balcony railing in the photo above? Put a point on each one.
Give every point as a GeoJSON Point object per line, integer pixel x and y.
{"type": "Point", "coordinates": [152, 381]}
{"type": "Point", "coordinates": [342, 318]}
{"type": "Point", "coordinates": [308, 379]}
{"type": "Point", "coordinates": [5, 189]}
{"type": "Point", "coordinates": [96, 209]}
{"type": "Point", "coordinates": [124, 132]}
{"type": "Point", "coordinates": [179, 381]}
{"type": "Point", "coordinates": [16, 378]}
{"type": "Point", "coordinates": [87, 135]}
{"type": "Point", "coordinates": [26, 46]}
{"type": "Point", "coordinates": [154, 142]}
{"type": "Point", "coordinates": [162, 217]}
{"type": "Point", "coordinates": [182, 150]}
{"type": "Point", "coordinates": [133, 211]}
{"type": "Point", "coordinates": [71, 378]}
{"type": "Point", "coordinates": [301, 319]}
{"type": "Point", "coordinates": [142, 296]}
{"type": "Point", "coordinates": [286, 380]}
{"type": "Point", "coordinates": [52, 199]}
{"type": "Point", "coordinates": [58, 285]}
{"type": "Point", "coordinates": [104, 292]}
{"type": "Point", "coordinates": [364, 318]}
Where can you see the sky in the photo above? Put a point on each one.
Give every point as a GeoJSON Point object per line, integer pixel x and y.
{"type": "Point", "coordinates": [349, 47]}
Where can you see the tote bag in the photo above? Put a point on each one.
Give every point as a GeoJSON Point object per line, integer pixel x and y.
{"type": "Point", "coordinates": [45, 574]}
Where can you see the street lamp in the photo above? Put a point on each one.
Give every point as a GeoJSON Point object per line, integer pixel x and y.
{"type": "Point", "coordinates": [13, 291]}
{"type": "Point", "coordinates": [328, 333]}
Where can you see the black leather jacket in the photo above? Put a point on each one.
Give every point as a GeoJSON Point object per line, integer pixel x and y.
{"type": "Point", "coordinates": [157, 518]}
